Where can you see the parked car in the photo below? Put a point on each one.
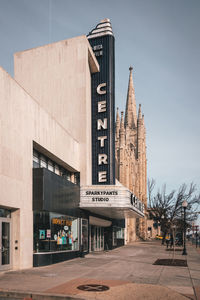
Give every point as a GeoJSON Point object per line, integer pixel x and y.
{"type": "Point", "coordinates": [159, 237]}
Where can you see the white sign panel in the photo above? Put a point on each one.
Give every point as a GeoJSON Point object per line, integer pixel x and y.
{"type": "Point", "coordinates": [110, 196]}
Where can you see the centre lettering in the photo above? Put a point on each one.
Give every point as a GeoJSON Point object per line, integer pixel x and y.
{"type": "Point", "coordinates": [102, 124]}
{"type": "Point", "coordinates": [103, 109]}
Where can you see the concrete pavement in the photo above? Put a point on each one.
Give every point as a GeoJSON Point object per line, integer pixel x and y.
{"type": "Point", "coordinates": [127, 271]}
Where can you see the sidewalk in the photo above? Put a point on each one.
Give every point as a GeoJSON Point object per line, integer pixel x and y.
{"type": "Point", "coordinates": [128, 272]}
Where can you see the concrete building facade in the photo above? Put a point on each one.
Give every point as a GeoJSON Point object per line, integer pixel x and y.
{"type": "Point", "coordinates": [49, 209]}
{"type": "Point", "coordinates": [42, 121]}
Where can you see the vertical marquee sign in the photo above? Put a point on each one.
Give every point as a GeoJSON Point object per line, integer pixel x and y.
{"type": "Point", "coordinates": [103, 105]}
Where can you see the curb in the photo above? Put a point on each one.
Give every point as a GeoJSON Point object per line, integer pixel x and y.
{"type": "Point", "coordinates": [7, 294]}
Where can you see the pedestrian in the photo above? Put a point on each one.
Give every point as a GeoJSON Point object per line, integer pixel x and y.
{"type": "Point", "coordinates": [167, 242]}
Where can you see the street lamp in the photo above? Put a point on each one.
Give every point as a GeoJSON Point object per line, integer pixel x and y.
{"type": "Point", "coordinates": [184, 205]}
{"type": "Point", "coordinates": [161, 228]}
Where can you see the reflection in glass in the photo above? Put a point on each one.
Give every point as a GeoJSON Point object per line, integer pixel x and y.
{"type": "Point", "coordinates": [85, 234]}
{"type": "Point", "coordinates": [114, 234]}
{"type": "Point", "coordinates": [102, 238]}
{"type": "Point", "coordinates": [97, 238]}
{"type": "Point", "coordinates": [5, 213]}
{"type": "Point", "coordinates": [5, 251]}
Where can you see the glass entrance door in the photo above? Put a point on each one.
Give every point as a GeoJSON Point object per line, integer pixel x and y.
{"type": "Point", "coordinates": [4, 244]}
{"type": "Point", "coordinates": [96, 238]}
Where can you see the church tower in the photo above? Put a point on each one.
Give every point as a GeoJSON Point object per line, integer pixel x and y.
{"type": "Point", "coordinates": [131, 162]}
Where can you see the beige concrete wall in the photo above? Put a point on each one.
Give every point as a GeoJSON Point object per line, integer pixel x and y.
{"type": "Point", "coordinates": [15, 239]}
{"type": "Point", "coordinates": [57, 118]}
{"type": "Point", "coordinates": [58, 76]}
{"type": "Point", "coordinates": [23, 121]}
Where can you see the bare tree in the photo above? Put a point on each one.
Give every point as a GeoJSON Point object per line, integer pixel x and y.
{"type": "Point", "coordinates": [166, 208]}
{"type": "Point", "coordinates": [150, 187]}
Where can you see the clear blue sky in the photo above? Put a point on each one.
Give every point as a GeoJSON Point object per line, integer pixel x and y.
{"type": "Point", "coordinates": [159, 38]}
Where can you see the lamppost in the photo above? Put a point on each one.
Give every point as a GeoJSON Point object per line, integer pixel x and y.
{"type": "Point", "coordinates": [174, 235]}
{"type": "Point", "coordinates": [161, 228]}
{"type": "Point", "coordinates": [184, 205]}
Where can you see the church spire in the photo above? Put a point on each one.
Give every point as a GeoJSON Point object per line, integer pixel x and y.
{"type": "Point", "coordinates": [139, 132]}
{"type": "Point", "coordinates": [122, 122]}
{"type": "Point", "coordinates": [139, 113]}
{"type": "Point", "coordinates": [122, 130]}
{"type": "Point", "coordinates": [117, 127]}
{"type": "Point", "coordinates": [131, 114]}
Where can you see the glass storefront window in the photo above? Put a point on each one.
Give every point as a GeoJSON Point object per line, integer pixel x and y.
{"type": "Point", "coordinates": [57, 170]}
{"type": "Point", "coordinates": [102, 238]}
{"type": "Point", "coordinates": [96, 238]}
{"type": "Point", "coordinates": [84, 228]}
{"type": "Point", "coordinates": [66, 175]}
{"type": "Point", "coordinates": [120, 233]}
{"type": "Point", "coordinates": [77, 178]}
{"type": "Point", "coordinates": [55, 232]}
{"type": "Point", "coordinates": [5, 213]}
{"type": "Point", "coordinates": [36, 163]}
{"type": "Point", "coordinates": [114, 236]}
{"type": "Point", "coordinates": [43, 163]}
{"type": "Point", "coordinates": [50, 166]}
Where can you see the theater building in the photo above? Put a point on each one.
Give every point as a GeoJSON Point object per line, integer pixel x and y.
{"type": "Point", "coordinates": [59, 195]}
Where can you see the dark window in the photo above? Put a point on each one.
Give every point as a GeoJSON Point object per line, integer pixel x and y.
{"type": "Point", "coordinates": [41, 161]}
{"type": "Point", "coordinates": [5, 213]}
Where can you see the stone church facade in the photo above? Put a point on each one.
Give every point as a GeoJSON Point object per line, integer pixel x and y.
{"type": "Point", "coordinates": [131, 161]}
